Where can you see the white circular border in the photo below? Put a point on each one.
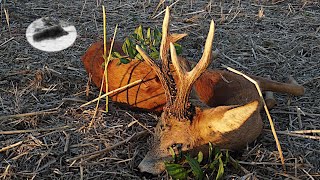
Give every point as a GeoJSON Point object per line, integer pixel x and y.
{"type": "Point", "coordinates": [51, 45]}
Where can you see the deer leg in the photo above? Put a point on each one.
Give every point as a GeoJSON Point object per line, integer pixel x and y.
{"type": "Point", "coordinates": [270, 85]}
{"type": "Point", "coordinates": [269, 98]}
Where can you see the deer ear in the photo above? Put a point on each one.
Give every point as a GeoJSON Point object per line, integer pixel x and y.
{"type": "Point", "coordinates": [233, 118]}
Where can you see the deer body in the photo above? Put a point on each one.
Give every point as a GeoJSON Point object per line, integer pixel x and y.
{"type": "Point", "coordinates": [148, 95]}
{"type": "Point", "coordinates": [232, 122]}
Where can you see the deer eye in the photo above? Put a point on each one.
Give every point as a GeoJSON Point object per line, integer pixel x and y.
{"type": "Point", "coordinates": [177, 146]}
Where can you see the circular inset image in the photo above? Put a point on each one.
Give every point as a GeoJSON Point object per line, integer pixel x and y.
{"type": "Point", "coordinates": [50, 34]}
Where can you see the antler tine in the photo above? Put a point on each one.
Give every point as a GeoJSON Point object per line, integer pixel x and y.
{"type": "Point", "coordinates": [206, 59]}
{"type": "Point", "coordinates": [181, 107]}
{"type": "Point", "coordinates": [165, 38]}
{"type": "Point", "coordinates": [176, 64]}
{"type": "Point", "coordinates": [148, 59]}
{"type": "Point", "coordinates": [203, 63]}
{"type": "Point", "coordinates": [163, 79]}
{"type": "Point", "coordinates": [162, 69]}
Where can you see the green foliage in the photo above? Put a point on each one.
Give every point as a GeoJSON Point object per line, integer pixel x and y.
{"type": "Point", "coordinates": [149, 41]}
{"type": "Point", "coordinates": [176, 171]}
{"type": "Point", "coordinates": [173, 154]}
{"type": "Point", "coordinates": [195, 169]}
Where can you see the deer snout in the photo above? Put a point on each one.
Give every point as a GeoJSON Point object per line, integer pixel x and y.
{"type": "Point", "coordinates": [151, 166]}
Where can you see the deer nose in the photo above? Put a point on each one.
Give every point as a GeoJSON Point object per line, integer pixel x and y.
{"type": "Point", "coordinates": [151, 167]}
{"type": "Point", "coordinates": [142, 168]}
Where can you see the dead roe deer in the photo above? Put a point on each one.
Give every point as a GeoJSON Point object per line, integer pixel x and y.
{"type": "Point", "coordinates": [235, 122]}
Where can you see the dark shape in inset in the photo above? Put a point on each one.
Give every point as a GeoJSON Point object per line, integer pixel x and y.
{"type": "Point", "coordinates": [52, 32]}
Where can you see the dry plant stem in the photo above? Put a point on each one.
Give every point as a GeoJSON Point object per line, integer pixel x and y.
{"type": "Point", "coordinates": [88, 85]}
{"type": "Point", "coordinates": [7, 19]}
{"type": "Point", "coordinates": [11, 146]}
{"type": "Point", "coordinates": [308, 174]}
{"type": "Point", "coordinates": [6, 172]}
{"type": "Point", "coordinates": [6, 41]}
{"type": "Point", "coordinates": [46, 165]}
{"type": "Point", "coordinates": [136, 120]}
{"type": "Point", "coordinates": [273, 164]}
{"type": "Point", "coordinates": [73, 100]}
{"type": "Point", "coordinates": [81, 172]}
{"type": "Point", "coordinates": [137, 135]}
{"type": "Point", "coordinates": [106, 61]}
{"type": "Point", "coordinates": [305, 131]}
{"type": "Point", "coordinates": [106, 65]}
{"type": "Point", "coordinates": [112, 92]}
{"type": "Point", "coordinates": [165, 10]}
{"type": "Point", "coordinates": [32, 130]}
{"type": "Point", "coordinates": [67, 144]}
{"type": "Point", "coordinates": [25, 131]}
{"type": "Point", "coordinates": [104, 78]}
{"type": "Point", "coordinates": [232, 60]}
{"type": "Point", "coordinates": [241, 167]}
{"type": "Point", "coordinates": [290, 133]}
{"type": "Point", "coordinates": [158, 6]}
{"type": "Point", "coordinates": [267, 112]}
{"type": "Point", "coordinates": [45, 112]}
{"type": "Point", "coordinates": [304, 113]}
{"type": "Point", "coordinates": [20, 155]}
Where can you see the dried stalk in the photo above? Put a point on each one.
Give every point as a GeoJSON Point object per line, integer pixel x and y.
{"type": "Point", "coordinates": [32, 130]}
{"type": "Point", "coordinates": [29, 114]}
{"type": "Point", "coordinates": [112, 92]}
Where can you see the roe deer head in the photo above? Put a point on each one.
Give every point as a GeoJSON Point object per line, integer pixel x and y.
{"type": "Point", "coordinates": [183, 126]}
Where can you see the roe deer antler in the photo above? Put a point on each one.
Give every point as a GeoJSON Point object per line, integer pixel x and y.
{"type": "Point", "coordinates": [178, 94]}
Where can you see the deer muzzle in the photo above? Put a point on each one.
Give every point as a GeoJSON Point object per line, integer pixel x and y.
{"type": "Point", "coordinates": [152, 164]}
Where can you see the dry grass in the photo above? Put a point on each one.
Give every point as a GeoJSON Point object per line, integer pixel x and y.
{"type": "Point", "coordinates": [48, 138]}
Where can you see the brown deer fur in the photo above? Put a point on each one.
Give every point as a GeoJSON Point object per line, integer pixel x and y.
{"type": "Point", "coordinates": [149, 95]}
{"type": "Point", "coordinates": [232, 123]}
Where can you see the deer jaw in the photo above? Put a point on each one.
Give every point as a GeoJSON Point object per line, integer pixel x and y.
{"type": "Point", "coordinates": [224, 127]}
